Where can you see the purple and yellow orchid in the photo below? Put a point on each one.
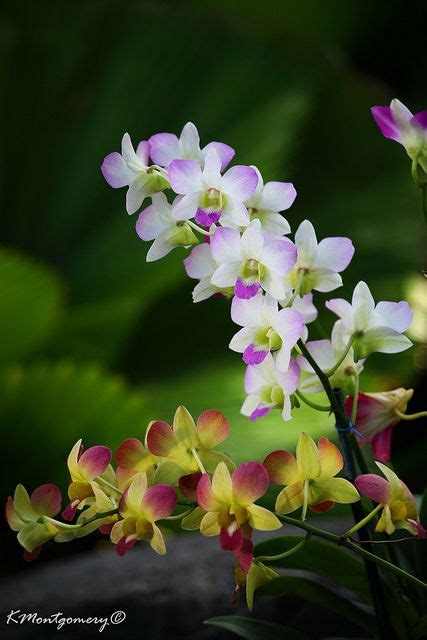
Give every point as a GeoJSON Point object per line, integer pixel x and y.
{"type": "Point", "coordinates": [131, 168]}
{"type": "Point", "coordinates": [208, 195]}
{"type": "Point", "coordinates": [252, 261]}
{"type": "Point", "coordinates": [140, 507]}
{"type": "Point", "coordinates": [33, 517]}
{"type": "Point", "coordinates": [376, 328]}
{"type": "Point", "coordinates": [133, 457]}
{"type": "Point", "coordinates": [309, 478]}
{"type": "Point", "coordinates": [397, 123]}
{"type": "Point", "coordinates": [84, 467]}
{"type": "Point", "coordinates": [166, 147]}
{"type": "Point", "coordinates": [377, 414]}
{"type": "Point", "coordinates": [269, 388]}
{"type": "Point", "coordinates": [157, 223]}
{"type": "Point", "coordinates": [185, 447]}
{"type": "Point", "coordinates": [399, 510]}
{"type": "Point", "coordinates": [319, 264]}
{"type": "Point", "coordinates": [265, 329]}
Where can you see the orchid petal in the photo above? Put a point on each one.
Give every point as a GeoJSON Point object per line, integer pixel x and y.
{"type": "Point", "coordinates": [209, 525]}
{"type": "Point", "coordinates": [374, 487]}
{"type": "Point", "coordinates": [157, 542]}
{"type": "Point", "coordinates": [383, 116]}
{"type": "Point", "coordinates": [225, 152]}
{"type": "Point", "coordinates": [164, 147]}
{"type": "Point", "coordinates": [307, 457]}
{"type": "Point", "coordinates": [160, 438]}
{"type": "Point", "coordinates": [262, 519]}
{"type": "Point", "coordinates": [394, 315]}
{"type": "Point", "coordinates": [158, 502]}
{"type": "Point", "coordinates": [212, 428]}
{"type": "Point", "coordinates": [282, 467]}
{"type": "Point", "coordinates": [46, 500]}
{"type": "Point", "coordinates": [335, 489]}
{"type": "Point", "coordinates": [132, 454]}
{"type": "Point", "coordinates": [225, 245]}
{"type": "Point", "coordinates": [331, 460]}
{"type": "Point", "coordinates": [189, 141]}
{"type": "Point", "coordinates": [116, 172]}
{"type": "Point", "coordinates": [200, 263]}
{"type": "Point", "coordinates": [248, 313]}
{"type": "Point", "coordinates": [277, 196]}
{"type": "Point", "coordinates": [334, 253]}
{"type": "Point", "coordinates": [94, 461]}
{"type": "Point", "coordinates": [185, 176]}
{"type": "Point", "coordinates": [240, 182]}
{"type": "Point", "coordinates": [253, 240]}
{"type": "Point", "coordinates": [221, 484]}
{"type": "Point", "coordinates": [290, 498]}
{"type": "Point", "coordinates": [250, 482]}
{"type": "Point", "coordinates": [205, 496]}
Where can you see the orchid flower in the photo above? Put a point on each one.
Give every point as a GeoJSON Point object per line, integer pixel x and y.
{"type": "Point", "coordinates": [398, 123]}
{"type": "Point", "coordinates": [140, 508]}
{"type": "Point", "coordinates": [326, 353]}
{"type": "Point", "coordinates": [133, 457]}
{"type": "Point", "coordinates": [252, 261]}
{"type": "Point", "coordinates": [375, 327]}
{"type": "Point", "coordinates": [200, 264]}
{"type": "Point", "coordinates": [207, 195]}
{"type": "Point", "coordinates": [84, 467]}
{"type": "Point", "coordinates": [165, 147]}
{"type": "Point", "coordinates": [319, 264]}
{"type": "Point", "coordinates": [376, 417]}
{"type": "Point", "coordinates": [33, 517]}
{"type": "Point", "coordinates": [258, 575]}
{"type": "Point", "coordinates": [157, 223]}
{"type": "Point", "coordinates": [226, 506]}
{"type": "Point", "coordinates": [265, 329]}
{"type": "Point", "coordinates": [186, 448]}
{"type": "Point", "coordinates": [267, 388]}
{"type": "Point", "coordinates": [309, 478]}
{"type": "Point", "coordinates": [399, 510]}
{"type": "Point", "coordinates": [267, 202]}
{"type": "Point", "coordinates": [131, 169]}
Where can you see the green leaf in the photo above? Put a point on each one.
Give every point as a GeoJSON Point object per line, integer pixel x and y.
{"type": "Point", "coordinates": [253, 629]}
{"type": "Point", "coordinates": [324, 596]}
{"type": "Point", "coordinates": [322, 558]}
{"type": "Point", "coordinates": [31, 297]}
{"type": "Point", "coordinates": [45, 408]}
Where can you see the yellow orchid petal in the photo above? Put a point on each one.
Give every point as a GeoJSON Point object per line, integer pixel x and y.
{"type": "Point", "coordinates": [221, 484]}
{"type": "Point", "coordinates": [307, 457]}
{"type": "Point", "coordinates": [290, 498]}
{"type": "Point", "coordinates": [33, 535]}
{"type": "Point", "coordinates": [209, 525]}
{"type": "Point", "coordinates": [102, 501]}
{"type": "Point", "coordinates": [258, 575]}
{"type": "Point", "coordinates": [135, 493]}
{"type": "Point", "coordinates": [398, 511]}
{"type": "Point", "coordinates": [23, 507]}
{"type": "Point", "coordinates": [193, 520]}
{"type": "Point", "coordinates": [184, 428]}
{"type": "Point", "coordinates": [157, 541]}
{"type": "Point", "coordinates": [116, 532]}
{"type": "Point", "coordinates": [385, 523]}
{"type": "Point", "coordinates": [79, 490]}
{"type": "Point", "coordinates": [262, 519]}
{"type": "Point", "coordinates": [168, 472]}
{"type": "Point", "coordinates": [331, 460]}
{"type": "Point", "coordinates": [211, 460]}
{"type": "Point", "coordinates": [73, 461]}
{"type": "Point", "coordinates": [335, 489]}
{"type": "Point", "coordinates": [13, 520]}
{"type": "Point", "coordinates": [392, 478]}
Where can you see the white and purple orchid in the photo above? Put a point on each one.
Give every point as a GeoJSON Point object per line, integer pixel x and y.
{"type": "Point", "coordinates": [208, 195]}
{"type": "Point", "coordinates": [377, 328]}
{"type": "Point", "coordinates": [131, 169]}
{"type": "Point", "coordinates": [252, 261]}
{"type": "Point", "coordinates": [166, 147]}
{"type": "Point", "coordinates": [397, 123]}
{"type": "Point", "coordinates": [319, 264]}
{"type": "Point", "coordinates": [269, 388]}
{"type": "Point", "coordinates": [156, 223]}
{"type": "Point", "coordinates": [201, 265]}
{"type": "Point", "coordinates": [265, 329]}
{"type": "Point", "coordinates": [266, 204]}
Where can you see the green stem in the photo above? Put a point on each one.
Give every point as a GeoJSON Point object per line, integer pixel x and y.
{"type": "Point", "coordinates": [199, 229]}
{"type": "Point", "coordinates": [353, 546]}
{"type": "Point", "coordinates": [348, 346]}
{"type": "Point", "coordinates": [362, 522]}
{"type": "Point", "coordinates": [322, 377]}
{"type": "Point", "coordinates": [98, 516]}
{"type": "Point", "coordinates": [109, 485]}
{"type": "Point", "coordinates": [310, 403]}
{"type": "Point", "coordinates": [285, 554]}
{"type": "Point", "coordinates": [355, 399]}
{"type": "Point", "coordinates": [197, 459]}
{"type": "Point", "coordinates": [410, 416]}
{"type": "Point", "coordinates": [305, 504]}
{"type": "Point", "coordinates": [296, 291]}
{"type": "Point", "coordinates": [179, 516]}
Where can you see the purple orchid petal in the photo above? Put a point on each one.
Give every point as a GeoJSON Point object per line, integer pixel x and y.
{"type": "Point", "coordinates": [254, 355]}
{"type": "Point", "coordinates": [381, 445]}
{"type": "Point", "coordinates": [206, 218]}
{"type": "Point", "coordinates": [116, 172]}
{"type": "Point", "coordinates": [225, 152]}
{"type": "Point", "coordinates": [383, 116]}
{"type": "Point", "coordinates": [226, 245]}
{"type": "Point", "coordinates": [260, 412]}
{"type": "Point", "coordinates": [70, 510]}
{"type": "Point", "coordinates": [185, 176]}
{"type": "Point", "coordinates": [123, 547]}
{"type": "Point", "coordinates": [246, 290]}
{"type": "Point", "coordinates": [240, 182]}
{"type": "Point", "coordinates": [421, 118]}
{"type": "Point", "coordinates": [164, 147]}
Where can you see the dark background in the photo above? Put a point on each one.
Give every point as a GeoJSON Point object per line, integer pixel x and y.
{"type": "Point", "coordinates": [95, 342]}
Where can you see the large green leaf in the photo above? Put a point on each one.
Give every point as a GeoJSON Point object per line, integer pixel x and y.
{"type": "Point", "coordinates": [31, 305]}
{"type": "Point", "coordinates": [253, 629]}
{"type": "Point", "coordinates": [322, 558]}
{"type": "Point", "coordinates": [321, 595]}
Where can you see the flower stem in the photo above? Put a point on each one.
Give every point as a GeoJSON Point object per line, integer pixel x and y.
{"type": "Point", "coordinates": [353, 546]}
{"type": "Point", "coordinates": [410, 416]}
{"type": "Point", "coordinates": [109, 485]}
{"type": "Point", "coordinates": [197, 459]}
{"type": "Point", "coordinates": [296, 290]}
{"type": "Point", "coordinates": [355, 399]}
{"type": "Point", "coordinates": [305, 505]}
{"type": "Point", "coordinates": [348, 346]}
{"type": "Point", "coordinates": [99, 516]}
{"type": "Point", "coordinates": [179, 516]}
{"type": "Point", "coordinates": [362, 522]}
{"type": "Point", "coordinates": [310, 403]}
{"type": "Point", "coordinates": [322, 377]}
{"type": "Point", "coordinates": [199, 229]}
{"type": "Point", "coordinates": [287, 553]}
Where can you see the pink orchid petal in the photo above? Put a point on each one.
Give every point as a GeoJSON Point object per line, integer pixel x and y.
{"type": "Point", "coordinates": [188, 485]}
{"type": "Point", "coordinates": [205, 496]}
{"type": "Point", "coordinates": [394, 315]}
{"type": "Point", "coordinates": [94, 461]}
{"type": "Point", "coordinates": [200, 263]}
{"type": "Point", "coordinates": [374, 487]}
{"type": "Point", "coordinates": [261, 411]}
{"type": "Point", "coordinates": [70, 511]}
{"type": "Point", "coordinates": [250, 482]}
{"type": "Point", "coordinates": [123, 547]}
{"type": "Point", "coordinates": [254, 354]}
{"type": "Point", "coordinates": [244, 555]}
{"type": "Point", "coordinates": [225, 152]}
{"type": "Point", "coordinates": [46, 500]}
{"type": "Point", "coordinates": [246, 290]}
{"type": "Point", "coordinates": [30, 556]}
{"type": "Point", "coordinates": [164, 147]}
{"type": "Point", "coordinates": [383, 116]}
{"type": "Point", "coordinates": [282, 467]}
{"type": "Point", "coordinates": [130, 453]}
{"type": "Point", "coordinates": [322, 507]}
{"type": "Point", "coordinates": [212, 428]}
{"type": "Point", "coordinates": [421, 119]}
{"type": "Point", "coordinates": [105, 529]}
{"type": "Point", "coordinates": [160, 438]}
{"type": "Point", "coordinates": [116, 172]}
{"type": "Point", "coordinates": [230, 541]}
{"type": "Point", "coordinates": [279, 255]}
{"type": "Point", "coordinates": [240, 182]}
{"type": "Point", "coordinates": [225, 245]}
{"type": "Point", "coordinates": [185, 176]}
{"type": "Point", "coordinates": [381, 445]}
{"type": "Point", "coordinates": [159, 501]}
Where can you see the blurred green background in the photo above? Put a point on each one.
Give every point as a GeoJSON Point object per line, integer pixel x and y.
{"type": "Point", "coordinates": [94, 341]}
